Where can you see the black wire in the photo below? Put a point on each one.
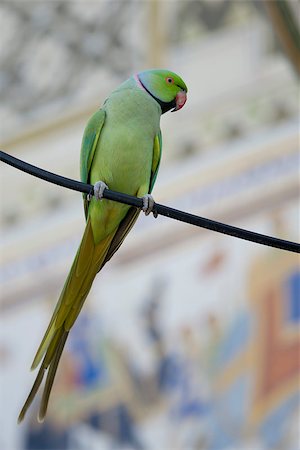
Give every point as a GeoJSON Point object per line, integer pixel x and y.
{"type": "Point", "coordinates": [159, 209]}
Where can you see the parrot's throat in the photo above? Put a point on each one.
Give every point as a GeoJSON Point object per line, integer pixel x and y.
{"type": "Point", "coordinates": [165, 106]}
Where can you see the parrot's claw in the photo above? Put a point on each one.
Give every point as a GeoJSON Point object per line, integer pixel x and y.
{"type": "Point", "coordinates": [99, 188]}
{"type": "Point", "coordinates": [148, 205]}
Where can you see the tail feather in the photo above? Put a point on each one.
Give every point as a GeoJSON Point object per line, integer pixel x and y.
{"type": "Point", "coordinates": [32, 393]}
{"type": "Point", "coordinates": [51, 375]}
{"type": "Point", "coordinates": [61, 337]}
{"type": "Point", "coordinates": [88, 260]}
{"type": "Point", "coordinates": [83, 255]}
{"type": "Point", "coordinates": [81, 276]}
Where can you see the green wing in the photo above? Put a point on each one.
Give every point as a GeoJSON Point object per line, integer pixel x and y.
{"type": "Point", "coordinates": [89, 143]}
{"type": "Point", "coordinates": [156, 160]}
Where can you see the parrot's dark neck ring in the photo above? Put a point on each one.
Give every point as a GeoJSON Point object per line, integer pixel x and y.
{"type": "Point", "coordinates": [165, 106]}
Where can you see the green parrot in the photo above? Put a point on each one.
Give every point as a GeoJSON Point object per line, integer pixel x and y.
{"type": "Point", "coordinates": [121, 146]}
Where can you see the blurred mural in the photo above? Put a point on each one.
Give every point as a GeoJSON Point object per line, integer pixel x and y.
{"type": "Point", "coordinates": [189, 339]}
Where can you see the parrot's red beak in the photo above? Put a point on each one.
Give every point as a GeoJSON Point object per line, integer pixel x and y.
{"type": "Point", "coordinates": [180, 100]}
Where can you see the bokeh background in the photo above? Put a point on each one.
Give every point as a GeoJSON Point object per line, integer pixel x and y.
{"type": "Point", "coordinates": [189, 339]}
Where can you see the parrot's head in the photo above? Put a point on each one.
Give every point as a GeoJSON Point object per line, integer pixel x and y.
{"type": "Point", "coordinates": [167, 88]}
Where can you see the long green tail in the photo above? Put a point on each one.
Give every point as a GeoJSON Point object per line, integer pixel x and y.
{"type": "Point", "coordinates": [89, 259]}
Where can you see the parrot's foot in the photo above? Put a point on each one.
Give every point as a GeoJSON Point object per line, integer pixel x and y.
{"type": "Point", "coordinates": [99, 188]}
{"type": "Point", "coordinates": [148, 205]}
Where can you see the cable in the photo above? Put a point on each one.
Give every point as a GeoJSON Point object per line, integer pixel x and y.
{"type": "Point", "coordinates": [159, 209]}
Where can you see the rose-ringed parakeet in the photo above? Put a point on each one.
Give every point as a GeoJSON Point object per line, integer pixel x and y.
{"type": "Point", "coordinates": [121, 146]}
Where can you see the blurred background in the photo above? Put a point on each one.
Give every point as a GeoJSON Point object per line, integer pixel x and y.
{"type": "Point", "coordinates": [189, 339]}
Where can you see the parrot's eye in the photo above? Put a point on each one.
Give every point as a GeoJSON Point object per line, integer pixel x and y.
{"type": "Point", "coordinates": [169, 80]}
